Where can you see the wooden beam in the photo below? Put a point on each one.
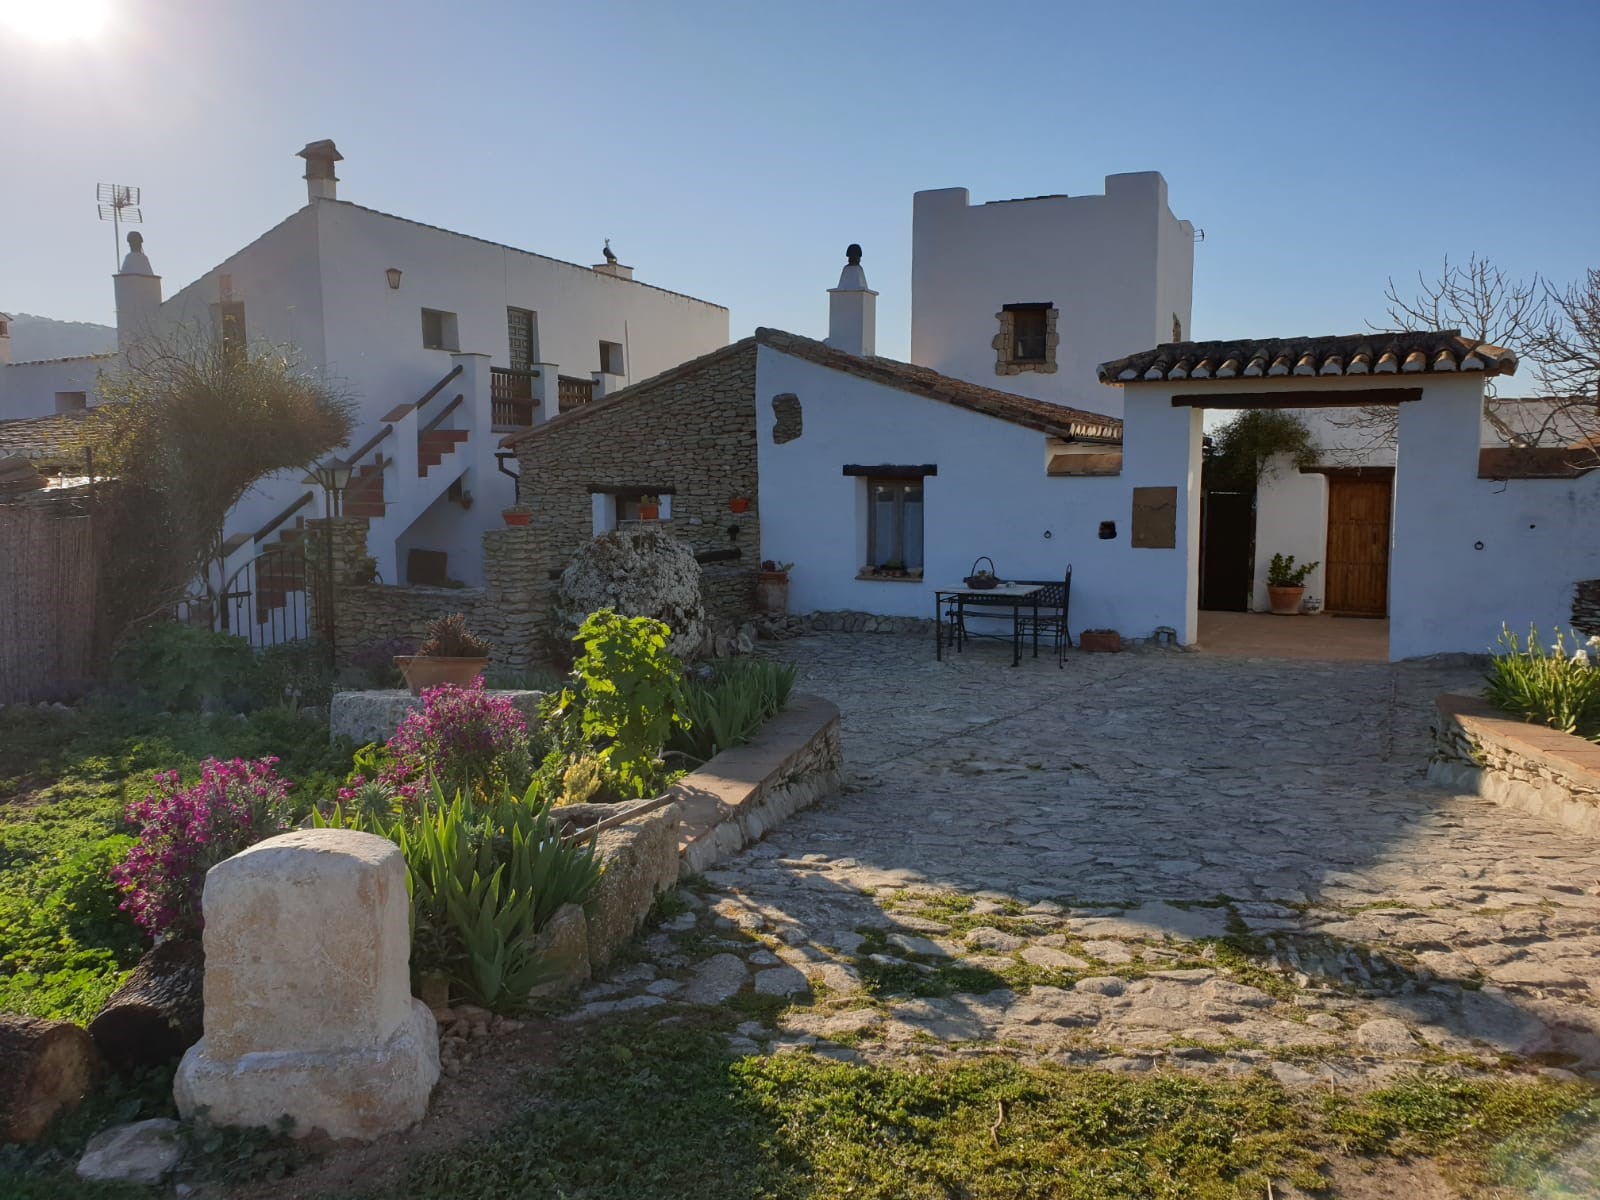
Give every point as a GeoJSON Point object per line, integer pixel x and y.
{"type": "Point", "coordinates": [886, 471]}
{"type": "Point", "coordinates": [1364, 398]}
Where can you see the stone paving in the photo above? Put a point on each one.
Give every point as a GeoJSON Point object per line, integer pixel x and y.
{"type": "Point", "coordinates": [1153, 858]}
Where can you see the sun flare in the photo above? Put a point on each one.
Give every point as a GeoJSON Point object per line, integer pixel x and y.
{"type": "Point", "coordinates": [54, 20]}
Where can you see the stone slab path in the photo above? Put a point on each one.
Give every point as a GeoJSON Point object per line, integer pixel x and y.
{"type": "Point", "coordinates": [1153, 858]}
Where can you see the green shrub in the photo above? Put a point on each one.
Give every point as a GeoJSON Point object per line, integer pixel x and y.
{"type": "Point", "coordinates": [182, 668]}
{"type": "Point", "coordinates": [1282, 572]}
{"type": "Point", "coordinates": [484, 879]}
{"type": "Point", "coordinates": [741, 695]}
{"type": "Point", "coordinates": [297, 673]}
{"type": "Point", "coordinates": [626, 696]}
{"type": "Point", "coordinates": [1551, 686]}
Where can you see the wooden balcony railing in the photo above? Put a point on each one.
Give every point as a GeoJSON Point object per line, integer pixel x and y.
{"type": "Point", "coordinates": [574, 393]}
{"type": "Point", "coordinates": [511, 397]}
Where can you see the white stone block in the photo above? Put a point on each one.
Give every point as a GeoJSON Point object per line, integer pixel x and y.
{"type": "Point", "coordinates": [308, 1006]}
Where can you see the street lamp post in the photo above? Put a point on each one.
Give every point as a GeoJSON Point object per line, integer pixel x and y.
{"type": "Point", "coordinates": [334, 476]}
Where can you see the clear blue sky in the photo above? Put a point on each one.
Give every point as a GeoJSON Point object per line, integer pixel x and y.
{"type": "Point", "coordinates": [732, 150]}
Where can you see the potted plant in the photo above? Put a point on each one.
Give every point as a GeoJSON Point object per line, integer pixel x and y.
{"type": "Point", "coordinates": [450, 655]}
{"type": "Point", "coordinates": [772, 587]}
{"type": "Point", "coordinates": [649, 508]}
{"type": "Point", "coordinates": [517, 514]}
{"type": "Point", "coordinates": [1100, 641]}
{"type": "Point", "coordinates": [1286, 584]}
{"type": "Point", "coordinates": [893, 569]}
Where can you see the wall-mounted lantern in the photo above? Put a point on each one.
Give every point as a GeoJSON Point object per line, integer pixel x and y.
{"type": "Point", "coordinates": [394, 278]}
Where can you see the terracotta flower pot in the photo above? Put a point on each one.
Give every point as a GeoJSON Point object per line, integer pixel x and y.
{"type": "Point", "coordinates": [1100, 641]}
{"type": "Point", "coordinates": [1285, 600]}
{"type": "Point", "coordinates": [739, 505]}
{"type": "Point", "coordinates": [516, 518]}
{"type": "Point", "coordinates": [772, 592]}
{"type": "Point", "coordinates": [649, 512]}
{"type": "Point", "coordinates": [426, 671]}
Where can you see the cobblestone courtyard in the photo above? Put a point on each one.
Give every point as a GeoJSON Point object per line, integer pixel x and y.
{"type": "Point", "coordinates": [1145, 859]}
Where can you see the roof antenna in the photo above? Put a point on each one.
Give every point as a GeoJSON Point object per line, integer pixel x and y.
{"type": "Point", "coordinates": [118, 203]}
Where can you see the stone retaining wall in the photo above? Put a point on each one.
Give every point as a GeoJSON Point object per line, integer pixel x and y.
{"type": "Point", "coordinates": [378, 613]}
{"type": "Point", "coordinates": [373, 716]}
{"type": "Point", "coordinates": [860, 622]}
{"type": "Point", "coordinates": [1586, 607]}
{"type": "Point", "coordinates": [739, 795]}
{"type": "Point", "coordinates": [1478, 749]}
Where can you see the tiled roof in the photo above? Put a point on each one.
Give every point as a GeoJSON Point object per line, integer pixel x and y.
{"type": "Point", "coordinates": [1055, 419]}
{"type": "Point", "coordinates": [43, 440]}
{"type": "Point", "coordinates": [1427, 351]}
{"type": "Point", "coordinates": [41, 362]}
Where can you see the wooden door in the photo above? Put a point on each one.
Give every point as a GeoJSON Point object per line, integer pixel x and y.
{"type": "Point", "coordinates": [522, 333]}
{"type": "Point", "coordinates": [1356, 572]}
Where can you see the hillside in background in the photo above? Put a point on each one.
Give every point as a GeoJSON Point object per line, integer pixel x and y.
{"type": "Point", "coordinates": [34, 338]}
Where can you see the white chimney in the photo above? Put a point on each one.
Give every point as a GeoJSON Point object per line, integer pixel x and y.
{"type": "Point", "coordinates": [611, 266]}
{"type": "Point", "coordinates": [5, 339]}
{"type": "Point", "coordinates": [138, 290]}
{"type": "Point", "coordinates": [853, 309]}
{"type": "Point", "coordinates": [321, 182]}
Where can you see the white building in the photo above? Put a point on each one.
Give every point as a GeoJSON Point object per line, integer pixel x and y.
{"type": "Point", "coordinates": [1030, 295]}
{"type": "Point", "coordinates": [444, 341]}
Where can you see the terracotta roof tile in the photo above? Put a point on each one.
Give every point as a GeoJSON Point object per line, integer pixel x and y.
{"type": "Point", "coordinates": [1425, 351]}
{"type": "Point", "coordinates": [1055, 419]}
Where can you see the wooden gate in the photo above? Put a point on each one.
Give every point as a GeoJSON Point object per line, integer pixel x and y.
{"type": "Point", "coordinates": [1357, 567]}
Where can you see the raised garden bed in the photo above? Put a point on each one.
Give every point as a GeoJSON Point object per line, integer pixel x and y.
{"type": "Point", "coordinates": [1479, 749]}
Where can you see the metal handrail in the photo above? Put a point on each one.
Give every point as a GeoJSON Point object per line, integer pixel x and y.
{"type": "Point", "coordinates": [443, 413]}
{"type": "Point", "coordinates": [267, 529]}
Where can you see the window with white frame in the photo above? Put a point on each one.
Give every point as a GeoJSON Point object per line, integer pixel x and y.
{"type": "Point", "coordinates": [894, 524]}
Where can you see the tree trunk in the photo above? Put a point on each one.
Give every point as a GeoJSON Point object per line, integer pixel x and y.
{"type": "Point", "coordinates": [45, 1067]}
{"type": "Point", "coordinates": [157, 1014]}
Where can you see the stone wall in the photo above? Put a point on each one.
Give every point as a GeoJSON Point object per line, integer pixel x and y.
{"type": "Point", "coordinates": [1586, 607]}
{"type": "Point", "coordinates": [1478, 749]}
{"type": "Point", "coordinates": [690, 433]}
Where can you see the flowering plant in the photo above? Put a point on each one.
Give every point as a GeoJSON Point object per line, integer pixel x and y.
{"type": "Point", "coordinates": [184, 832]}
{"type": "Point", "coordinates": [464, 738]}
{"type": "Point", "coordinates": [1552, 686]}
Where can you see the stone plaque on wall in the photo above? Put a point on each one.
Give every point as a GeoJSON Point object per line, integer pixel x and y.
{"type": "Point", "coordinates": [1155, 518]}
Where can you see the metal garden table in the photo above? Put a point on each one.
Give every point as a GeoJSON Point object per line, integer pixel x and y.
{"type": "Point", "coordinates": [1016, 596]}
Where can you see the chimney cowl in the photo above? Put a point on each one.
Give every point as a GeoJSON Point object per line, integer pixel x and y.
{"type": "Point", "coordinates": [321, 182]}
{"type": "Point", "coordinates": [853, 309]}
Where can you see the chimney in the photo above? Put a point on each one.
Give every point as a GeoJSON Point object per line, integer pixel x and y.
{"type": "Point", "coordinates": [321, 182]}
{"type": "Point", "coordinates": [138, 290]}
{"type": "Point", "coordinates": [853, 309]}
{"type": "Point", "coordinates": [5, 339]}
{"type": "Point", "coordinates": [611, 266]}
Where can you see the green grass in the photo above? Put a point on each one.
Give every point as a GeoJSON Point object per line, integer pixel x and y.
{"type": "Point", "coordinates": [667, 1114]}
{"type": "Point", "coordinates": [64, 783]}
{"type": "Point", "coordinates": [1483, 1132]}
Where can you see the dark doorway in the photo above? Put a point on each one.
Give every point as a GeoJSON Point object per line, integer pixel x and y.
{"type": "Point", "coordinates": [1227, 550]}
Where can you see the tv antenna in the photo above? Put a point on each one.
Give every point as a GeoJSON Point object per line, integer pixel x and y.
{"type": "Point", "coordinates": [119, 203]}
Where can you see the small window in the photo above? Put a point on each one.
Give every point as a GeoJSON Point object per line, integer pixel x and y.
{"type": "Point", "coordinates": [638, 505]}
{"type": "Point", "coordinates": [230, 325]}
{"type": "Point", "coordinates": [611, 358]}
{"type": "Point", "coordinates": [439, 330]}
{"type": "Point", "coordinates": [1027, 339]}
{"type": "Point", "coordinates": [894, 523]}
{"type": "Point", "coordinates": [1027, 334]}
{"type": "Point", "coordinates": [71, 402]}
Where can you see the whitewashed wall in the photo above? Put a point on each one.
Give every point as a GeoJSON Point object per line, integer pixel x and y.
{"type": "Point", "coordinates": [1117, 266]}
{"type": "Point", "coordinates": [1291, 518]}
{"type": "Point", "coordinates": [1538, 536]}
{"type": "Point", "coordinates": [28, 389]}
{"type": "Point", "coordinates": [990, 497]}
